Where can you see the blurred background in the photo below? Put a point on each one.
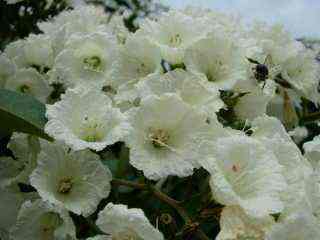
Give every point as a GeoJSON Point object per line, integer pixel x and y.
{"type": "Point", "coordinates": [300, 17]}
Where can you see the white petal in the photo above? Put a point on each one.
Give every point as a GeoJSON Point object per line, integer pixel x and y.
{"type": "Point", "coordinates": [76, 181]}
{"type": "Point", "coordinates": [180, 130]}
{"type": "Point", "coordinates": [246, 174]}
{"type": "Point", "coordinates": [118, 221]}
{"type": "Point", "coordinates": [236, 224]}
{"type": "Point", "coordinates": [85, 119]}
{"type": "Point", "coordinates": [39, 220]}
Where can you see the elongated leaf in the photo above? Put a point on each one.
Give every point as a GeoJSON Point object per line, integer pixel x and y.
{"type": "Point", "coordinates": [21, 113]}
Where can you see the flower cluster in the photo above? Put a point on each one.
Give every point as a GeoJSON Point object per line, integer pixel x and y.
{"type": "Point", "coordinates": [189, 89]}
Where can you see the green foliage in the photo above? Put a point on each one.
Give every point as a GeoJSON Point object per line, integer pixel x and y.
{"type": "Point", "coordinates": [21, 113]}
{"type": "Point", "coordinates": [136, 9]}
{"type": "Point", "coordinates": [19, 20]}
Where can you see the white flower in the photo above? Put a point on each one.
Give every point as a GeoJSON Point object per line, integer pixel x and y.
{"type": "Point", "coordinates": [244, 173]}
{"type": "Point", "coordinates": [252, 105]}
{"type": "Point", "coordinates": [117, 27]}
{"type": "Point", "coordinates": [7, 69]}
{"type": "Point", "coordinates": [81, 19]}
{"type": "Point", "coordinates": [10, 203]}
{"type": "Point", "coordinates": [217, 58]}
{"type": "Point", "coordinates": [235, 224]}
{"type": "Point", "coordinates": [215, 19]}
{"type": "Point", "coordinates": [87, 59]}
{"type": "Point", "coordinates": [25, 149]}
{"type": "Point", "coordinates": [35, 51]}
{"type": "Point", "coordinates": [29, 81]}
{"type": "Point", "coordinates": [165, 135]}
{"type": "Point", "coordinates": [85, 119]}
{"type": "Point", "coordinates": [295, 167]}
{"type": "Point", "coordinates": [309, 203]}
{"type": "Point", "coordinates": [193, 89]}
{"type": "Point", "coordinates": [76, 181]}
{"type": "Point", "coordinates": [38, 220]}
{"type": "Point", "coordinates": [123, 223]}
{"type": "Point", "coordinates": [299, 225]}
{"type": "Point", "coordinates": [173, 33]}
{"type": "Point", "coordinates": [302, 71]}
{"type": "Point", "coordinates": [137, 59]}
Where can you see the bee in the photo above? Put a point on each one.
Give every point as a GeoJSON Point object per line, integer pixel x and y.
{"type": "Point", "coordinates": [261, 70]}
{"type": "Point", "coordinates": [267, 70]}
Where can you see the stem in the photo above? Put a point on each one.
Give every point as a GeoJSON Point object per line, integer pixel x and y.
{"type": "Point", "coordinates": [170, 201]}
{"type": "Point", "coordinates": [162, 197]}
{"type": "Point", "coordinates": [311, 117]}
{"type": "Point", "coordinates": [119, 182]}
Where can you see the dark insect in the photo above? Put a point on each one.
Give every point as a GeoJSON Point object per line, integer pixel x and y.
{"type": "Point", "coordinates": [261, 73]}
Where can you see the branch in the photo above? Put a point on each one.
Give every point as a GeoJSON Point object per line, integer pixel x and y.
{"type": "Point", "coordinates": [162, 197]}
{"type": "Point", "coordinates": [119, 182]}
{"type": "Point", "coordinates": [311, 117]}
{"type": "Point", "coordinates": [170, 201]}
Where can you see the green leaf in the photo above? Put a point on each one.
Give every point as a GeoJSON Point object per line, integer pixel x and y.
{"type": "Point", "coordinates": [22, 113]}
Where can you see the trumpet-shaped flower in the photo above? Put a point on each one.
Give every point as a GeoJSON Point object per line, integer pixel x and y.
{"type": "Point", "coordinates": [123, 223]}
{"type": "Point", "coordinates": [25, 149]}
{"type": "Point", "coordinates": [295, 168]}
{"type": "Point", "coordinates": [218, 59]}
{"type": "Point", "coordinates": [11, 200]}
{"type": "Point", "coordinates": [173, 33]}
{"type": "Point", "coordinates": [85, 119]}
{"type": "Point", "coordinates": [87, 59]}
{"type": "Point", "coordinates": [76, 181]}
{"type": "Point", "coordinates": [137, 59]}
{"type": "Point", "coordinates": [40, 220]}
{"type": "Point", "coordinates": [165, 135]}
{"type": "Point", "coordinates": [244, 173]}
{"type": "Point", "coordinates": [35, 51]}
{"type": "Point", "coordinates": [193, 89]}
{"type": "Point", "coordinates": [236, 224]}
{"type": "Point", "coordinates": [29, 81]}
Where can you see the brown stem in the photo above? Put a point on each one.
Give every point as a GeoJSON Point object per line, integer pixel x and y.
{"type": "Point", "coordinates": [162, 197]}
{"type": "Point", "coordinates": [170, 201]}
{"type": "Point", "coordinates": [119, 182]}
{"type": "Point", "coordinates": [311, 117]}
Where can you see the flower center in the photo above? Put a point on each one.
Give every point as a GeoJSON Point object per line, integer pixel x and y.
{"type": "Point", "coordinates": [24, 88]}
{"type": "Point", "coordinates": [91, 130]}
{"type": "Point", "coordinates": [210, 76]}
{"type": "Point", "coordinates": [142, 69]}
{"type": "Point", "coordinates": [159, 138]}
{"type": "Point", "coordinates": [49, 222]}
{"type": "Point", "coordinates": [65, 185]}
{"type": "Point", "coordinates": [93, 64]}
{"type": "Point", "coordinates": [175, 40]}
{"type": "Point", "coordinates": [215, 71]}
